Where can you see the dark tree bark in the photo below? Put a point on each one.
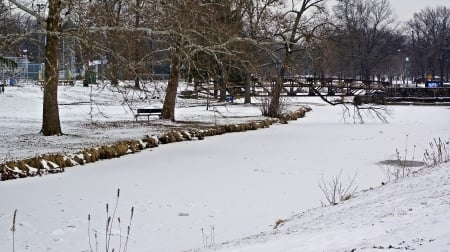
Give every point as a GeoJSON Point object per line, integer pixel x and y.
{"type": "Point", "coordinates": [275, 104]}
{"type": "Point", "coordinates": [430, 29]}
{"type": "Point", "coordinates": [137, 21]}
{"type": "Point", "coordinates": [222, 83]}
{"type": "Point", "coordinates": [50, 120]}
{"type": "Point", "coordinates": [247, 96]}
{"type": "Point", "coordinates": [168, 110]}
{"type": "Point", "coordinates": [367, 36]}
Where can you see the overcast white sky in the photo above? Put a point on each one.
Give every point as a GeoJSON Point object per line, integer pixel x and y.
{"type": "Point", "coordinates": [404, 9]}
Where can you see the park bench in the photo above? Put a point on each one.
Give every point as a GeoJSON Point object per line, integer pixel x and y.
{"type": "Point", "coordinates": [148, 112]}
{"type": "Point", "coordinates": [60, 82]}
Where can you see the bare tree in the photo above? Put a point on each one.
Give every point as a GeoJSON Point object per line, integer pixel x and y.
{"type": "Point", "coordinates": [50, 119]}
{"type": "Point", "coordinates": [12, 28]}
{"type": "Point", "coordinates": [257, 19]}
{"type": "Point", "coordinates": [100, 34]}
{"type": "Point", "coordinates": [430, 34]}
{"type": "Point", "coordinates": [293, 29]}
{"type": "Point", "coordinates": [364, 36]}
{"type": "Point", "coordinates": [206, 30]}
{"type": "Point", "coordinates": [110, 44]}
{"type": "Point", "coordinates": [176, 20]}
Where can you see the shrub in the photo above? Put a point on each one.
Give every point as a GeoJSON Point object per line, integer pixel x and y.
{"type": "Point", "coordinates": [35, 162]}
{"type": "Point", "coordinates": [120, 149]}
{"type": "Point", "coordinates": [335, 190]}
{"type": "Point", "coordinates": [107, 152]}
{"type": "Point", "coordinates": [151, 142]}
{"type": "Point", "coordinates": [186, 135]}
{"type": "Point", "coordinates": [68, 162]}
{"type": "Point", "coordinates": [79, 160]}
{"type": "Point", "coordinates": [57, 159]}
{"type": "Point", "coordinates": [437, 154]}
{"type": "Point", "coordinates": [134, 146]}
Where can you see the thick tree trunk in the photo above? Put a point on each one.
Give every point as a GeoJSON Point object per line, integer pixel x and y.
{"type": "Point", "coordinates": [222, 88]}
{"type": "Point", "coordinates": [168, 110]}
{"type": "Point", "coordinates": [222, 83]}
{"type": "Point", "coordinates": [50, 119]}
{"type": "Point", "coordinates": [275, 103]}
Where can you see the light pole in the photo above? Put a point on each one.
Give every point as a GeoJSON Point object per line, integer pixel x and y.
{"type": "Point", "coordinates": [26, 65]}
{"type": "Point", "coordinates": [406, 70]}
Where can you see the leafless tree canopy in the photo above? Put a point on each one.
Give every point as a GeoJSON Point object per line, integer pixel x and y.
{"type": "Point", "coordinates": [227, 41]}
{"type": "Point", "coordinates": [430, 35]}
{"type": "Point", "coordinates": [365, 36]}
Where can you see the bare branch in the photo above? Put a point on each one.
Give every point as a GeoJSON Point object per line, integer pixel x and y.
{"type": "Point", "coordinates": [29, 11]}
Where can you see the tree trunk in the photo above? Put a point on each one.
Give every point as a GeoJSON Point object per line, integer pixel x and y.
{"type": "Point", "coordinates": [137, 20]}
{"type": "Point", "coordinates": [168, 110]}
{"type": "Point", "coordinates": [247, 96]}
{"type": "Point", "coordinates": [137, 82]}
{"type": "Point", "coordinates": [50, 118]}
{"type": "Point", "coordinates": [113, 71]}
{"type": "Point", "coordinates": [275, 105]}
{"type": "Point", "coordinates": [222, 88]}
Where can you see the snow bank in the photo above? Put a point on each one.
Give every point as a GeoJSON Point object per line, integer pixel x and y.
{"type": "Point", "coordinates": [409, 214]}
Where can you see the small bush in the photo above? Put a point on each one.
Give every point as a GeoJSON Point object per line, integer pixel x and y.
{"type": "Point", "coordinates": [79, 160]}
{"type": "Point", "coordinates": [57, 159]}
{"type": "Point", "coordinates": [22, 166]}
{"type": "Point", "coordinates": [35, 162]}
{"type": "Point", "coordinates": [151, 142]}
{"type": "Point", "coordinates": [68, 162]}
{"type": "Point", "coordinates": [186, 135]}
{"type": "Point", "coordinates": [335, 190]}
{"type": "Point", "coordinates": [120, 149]}
{"type": "Point", "coordinates": [437, 154]}
{"type": "Point", "coordinates": [107, 152]}
{"type": "Point", "coordinates": [164, 138]}
{"type": "Point", "coordinates": [177, 136]}
{"type": "Point", "coordinates": [134, 146]}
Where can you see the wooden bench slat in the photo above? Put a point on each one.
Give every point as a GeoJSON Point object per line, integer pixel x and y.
{"type": "Point", "coordinates": [148, 112]}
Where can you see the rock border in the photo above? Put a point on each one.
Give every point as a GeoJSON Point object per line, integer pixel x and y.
{"type": "Point", "coordinates": [56, 163]}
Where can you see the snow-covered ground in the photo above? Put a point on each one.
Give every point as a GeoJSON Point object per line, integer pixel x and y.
{"type": "Point", "coordinates": [409, 214]}
{"type": "Point", "coordinates": [204, 193]}
{"type": "Point", "coordinates": [95, 116]}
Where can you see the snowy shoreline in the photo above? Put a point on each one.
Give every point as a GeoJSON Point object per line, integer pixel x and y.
{"type": "Point", "coordinates": [407, 214]}
{"type": "Point", "coordinates": [51, 160]}
{"type": "Point", "coordinates": [235, 184]}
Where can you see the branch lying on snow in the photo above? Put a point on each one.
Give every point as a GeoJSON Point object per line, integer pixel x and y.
{"type": "Point", "coordinates": [375, 111]}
